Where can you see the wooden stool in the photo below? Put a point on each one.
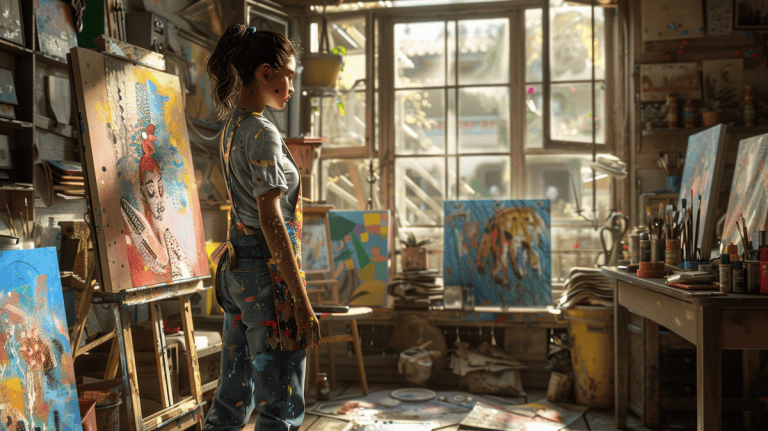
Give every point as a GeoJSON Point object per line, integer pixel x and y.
{"type": "Point", "coordinates": [351, 319]}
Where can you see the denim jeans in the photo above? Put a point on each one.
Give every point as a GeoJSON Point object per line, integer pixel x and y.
{"type": "Point", "coordinates": [254, 374]}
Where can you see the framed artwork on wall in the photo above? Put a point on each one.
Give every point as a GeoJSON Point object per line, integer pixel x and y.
{"type": "Point", "coordinates": [750, 15]}
{"type": "Point", "coordinates": [659, 80]}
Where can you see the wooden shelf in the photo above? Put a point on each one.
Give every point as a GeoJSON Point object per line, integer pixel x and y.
{"type": "Point", "coordinates": [39, 56]}
{"type": "Point", "coordinates": [13, 49]}
{"type": "Point", "coordinates": [14, 124]}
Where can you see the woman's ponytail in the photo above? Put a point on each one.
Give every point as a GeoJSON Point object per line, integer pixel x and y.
{"type": "Point", "coordinates": [222, 71]}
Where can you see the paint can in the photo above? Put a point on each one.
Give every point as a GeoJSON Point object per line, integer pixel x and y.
{"type": "Point", "coordinates": [108, 417]}
{"type": "Point", "coordinates": [738, 277]}
{"type": "Point", "coordinates": [591, 334]}
{"type": "Point", "coordinates": [726, 278]}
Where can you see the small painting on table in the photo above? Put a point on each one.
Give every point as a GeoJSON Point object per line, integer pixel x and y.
{"type": "Point", "coordinates": [37, 377]}
{"type": "Point", "coordinates": [360, 243]}
{"type": "Point", "coordinates": [702, 174]}
{"type": "Point", "coordinates": [501, 248]}
{"type": "Point", "coordinates": [56, 33]}
{"type": "Point", "coordinates": [749, 193]}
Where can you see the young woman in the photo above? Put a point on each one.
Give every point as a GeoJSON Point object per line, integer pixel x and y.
{"type": "Point", "coordinates": [268, 320]}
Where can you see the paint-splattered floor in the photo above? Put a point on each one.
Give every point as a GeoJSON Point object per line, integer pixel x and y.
{"type": "Point", "coordinates": [594, 420]}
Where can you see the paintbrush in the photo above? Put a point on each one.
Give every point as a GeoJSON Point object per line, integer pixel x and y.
{"type": "Point", "coordinates": [649, 219]}
{"type": "Point", "coordinates": [662, 217]}
{"type": "Point", "coordinates": [696, 248]}
{"type": "Point", "coordinates": [10, 217]}
{"type": "Point", "coordinates": [747, 242]}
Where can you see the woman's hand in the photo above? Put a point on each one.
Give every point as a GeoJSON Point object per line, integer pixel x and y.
{"type": "Point", "coordinates": [306, 321]}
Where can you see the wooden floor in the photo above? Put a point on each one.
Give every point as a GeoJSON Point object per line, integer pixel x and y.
{"type": "Point", "coordinates": [594, 420]}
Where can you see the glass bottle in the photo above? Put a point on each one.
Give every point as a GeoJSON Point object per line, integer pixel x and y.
{"type": "Point", "coordinates": [689, 114]}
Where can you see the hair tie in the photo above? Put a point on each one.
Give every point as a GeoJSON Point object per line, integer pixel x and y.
{"type": "Point", "coordinates": [251, 29]}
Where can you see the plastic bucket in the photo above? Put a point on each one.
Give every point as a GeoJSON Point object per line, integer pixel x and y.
{"type": "Point", "coordinates": [591, 332]}
{"type": "Point", "coordinates": [108, 417]}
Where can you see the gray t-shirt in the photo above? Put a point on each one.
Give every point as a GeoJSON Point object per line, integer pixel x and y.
{"type": "Point", "coordinates": [259, 161]}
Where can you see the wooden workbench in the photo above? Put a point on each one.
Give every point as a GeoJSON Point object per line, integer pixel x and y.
{"type": "Point", "coordinates": [710, 322]}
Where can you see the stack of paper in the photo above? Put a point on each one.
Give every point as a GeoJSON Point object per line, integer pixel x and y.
{"type": "Point", "coordinates": [586, 286]}
{"type": "Point", "coordinates": [416, 289]}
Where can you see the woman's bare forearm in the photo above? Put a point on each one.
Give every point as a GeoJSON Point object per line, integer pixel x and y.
{"type": "Point", "coordinates": [279, 242]}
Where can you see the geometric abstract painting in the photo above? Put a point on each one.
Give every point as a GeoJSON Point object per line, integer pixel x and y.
{"type": "Point", "coordinates": [501, 248]}
{"type": "Point", "coordinates": [140, 175]}
{"type": "Point", "coordinates": [37, 378]}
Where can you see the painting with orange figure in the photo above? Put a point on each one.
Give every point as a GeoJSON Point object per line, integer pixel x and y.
{"type": "Point", "coordinates": [704, 160]}
{"type": "Point", "coordinates": [360, 242]}
{"type": "Point", "coordinates": [501, 248]}
{"type": "Point", "coordinates": [37, 378]}
{"type": "Point", "coordinates": [138, 162]}
{"type": "Point", "coordinates": [749, 192]}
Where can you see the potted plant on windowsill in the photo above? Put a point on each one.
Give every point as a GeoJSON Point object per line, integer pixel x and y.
{"type": "Point", "coordinates": [414, 255]}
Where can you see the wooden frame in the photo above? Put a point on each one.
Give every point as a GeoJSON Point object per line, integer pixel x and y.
{"type": "Point", "coordinates": [322, 276]}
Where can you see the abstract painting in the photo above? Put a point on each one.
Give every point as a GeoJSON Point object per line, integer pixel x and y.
{"type": "Point", "coordinates": [138, 161]}
{"type": "Point", "coordinates": [704, 160]}
{"type": "Point", "coordinates": [501, 248]}
{"type": "Point", "coordinates": [37, 378]}
{"type": "Point", "coordinates": [55, 28]}
{"type": "Point", "coordinates": [670, 20]}
{"type": "Point", "coordinates": [199, 102]}
{"type": "Point", "coordinates": [658, 80]}
{"type": "Point", "coordinates": [314, 245]}
{"type": "Point", "coordinates": [360, 243]}
{"type": "Point", "coordinates": [749, 192]}
{"type": "Point", "coordinates": [10, 22]}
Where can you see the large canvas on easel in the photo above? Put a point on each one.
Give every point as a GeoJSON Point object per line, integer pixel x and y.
{"type": "Point", "coordinates": [749, 192]}
{"type": "Point", "coordinates": [501, 248]}
{"type": "Point", "coordinates": [360, 243]}
{"type": "Point", "coordinates": [140, 175]}
{"type": "Point", "coordinates": [37, 378]}
{"type": "Point", "coordinates": [702, 174]}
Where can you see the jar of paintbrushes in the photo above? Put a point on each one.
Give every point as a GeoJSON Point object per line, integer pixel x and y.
{"type": "Point", "coordinates": [656, 227]}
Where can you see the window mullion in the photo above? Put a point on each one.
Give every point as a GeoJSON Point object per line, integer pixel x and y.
{"type": "Point", "coordinates": [546, 133]}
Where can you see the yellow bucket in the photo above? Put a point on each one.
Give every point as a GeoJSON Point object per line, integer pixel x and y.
{"type": "Point", "coordinates": [591, 335]}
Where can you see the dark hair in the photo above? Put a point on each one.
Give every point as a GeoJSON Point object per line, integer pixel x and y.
{"type": "Point", "coordinates": [238, 53]}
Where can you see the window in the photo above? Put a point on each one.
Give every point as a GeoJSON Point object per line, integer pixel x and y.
{"type": "Point", "coordinates": [460, 119]}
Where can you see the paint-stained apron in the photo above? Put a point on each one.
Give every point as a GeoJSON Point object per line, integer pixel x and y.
{"type": "Point", "coordinates": [285, 326]}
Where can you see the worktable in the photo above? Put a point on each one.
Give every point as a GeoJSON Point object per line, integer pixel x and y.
{"type": "Point", "coordinates": [710, 322]}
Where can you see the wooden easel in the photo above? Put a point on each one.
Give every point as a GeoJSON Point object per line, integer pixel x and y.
{"type": "Point", "coordinates": [188, 411]}
{"type": "Point", "coordinates": [328, 279]}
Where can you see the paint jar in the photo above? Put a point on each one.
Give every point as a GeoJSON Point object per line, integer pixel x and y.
{"type": "Point", "coordinates": [689, 114]}
{"type": "Point", "coordinates": [322, 389]}
{"type": "Point", "coordinates": [752, 273]}
{"type": "Point", "coordinates": [645, 250]}
{"type": "Point", "coordinates": [738, 276]}
{"type": "Point", "coordinates": [672, 111]}
{"type": "Point", "coordinates": [673, 254]}
{"type": "Point", "coordinates": [725, 273]}
{"type": "Point", "coordinates": [657, 250]}
{"type": "Point", "coordinates": [452, 297]}
{"type": "Point", "coordinates": [634, 247]}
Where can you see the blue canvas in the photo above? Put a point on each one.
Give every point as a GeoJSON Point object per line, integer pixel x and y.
{"type": "Point", "coordinates": [37, 378]}
{"type": "Point", "coordinates": [501, 248]}
{"type": "Point", "coordinates": [360, 243]}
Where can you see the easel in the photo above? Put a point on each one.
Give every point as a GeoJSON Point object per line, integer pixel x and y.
{"type": "Point", "coordinates": [188, 411]}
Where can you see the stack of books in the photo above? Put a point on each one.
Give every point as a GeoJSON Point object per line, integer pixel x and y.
{"type": "Point", "coordinates": [416, 290]}
{"type": "Point", "coordinates": [586, 286]}
{"type": "Point", "coordinates": [63, 179]}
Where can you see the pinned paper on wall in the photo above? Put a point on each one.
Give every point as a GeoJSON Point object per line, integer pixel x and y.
{"type": "Point", "coordinates": [37, 378]}
{"type": "Point", "coordinates": [719, 17]}
{"type": "Point", "coordinates": [671, 20]}
{"type": "Point", "coordinates": [139, 167]}
{"type": "Point", "coordinates": [360, 243]}
{"type": "Point", "coordinates": [501, 248]}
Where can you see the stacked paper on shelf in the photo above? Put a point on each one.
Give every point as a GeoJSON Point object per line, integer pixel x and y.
{"type": "Point", "coordinates": [586, 286]}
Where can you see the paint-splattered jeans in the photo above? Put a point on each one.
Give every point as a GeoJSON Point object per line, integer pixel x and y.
{"type": "Point", "coordinates": [253, 374]}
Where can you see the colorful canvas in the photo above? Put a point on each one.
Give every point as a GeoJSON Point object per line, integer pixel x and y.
{"type": "Point", "coordinates": [10, 21]}
{"type": "Point", "coordinates": [37, 378]}
{"type": "Point", "coordinates": [139, 167]}
{"type": "Point", "coordinates": [199, 101]}
{"type": "Point", "coordinates": [704, 160]}
{"type": "Point", "coordinates": [55, 28]}
{"type": "Point", "coordinates": [749, 192]}
{"type": "Point", "coordinates": [314, 245]}
{"type": "Point", "coordinates": [501, 248]}
{"type": "Point", "coordinates": [360, 243]}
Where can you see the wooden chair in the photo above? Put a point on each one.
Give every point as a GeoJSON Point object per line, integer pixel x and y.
{"type": "Point", "coordinates": [318, 266]}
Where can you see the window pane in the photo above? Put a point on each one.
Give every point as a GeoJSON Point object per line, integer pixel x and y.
{"type": "Point", "coordinates": [572, 247]}
{"type": "Point", "coordinates": [483, 51]}
{"type": "Point", "coordinates": [420, 184]}
{"type": "Point", "coordinates": [342, 130]}
{"type": "Point", "coordinates": [484, 177]}
{"type": "Point", "coordinates": [533, 40]}
{"type": "Point", "coordinates": [534, 120]}
{"type": "Point", "coordinates": [345, 184]}
{"type": "Point", "coordinates": [571, 112]}
{"type": "Point", "coordinates": [452, 171]}
{"type": "Point", "coordinates": [570, 41]}
{"type": "Point", "coordinates": [451, 43]}
{"type": "Point", "coordinates": [600, 112]}
{"type": "Point", "coordinates": [563, 179]}
{"type": "Point", "coordinates": [483, 119]}
{"type": "Point", "coordinates": [599, 43]}
{"type": "Point", "coordinates": [419, 121]}
{"type": "Point", "coordinates": [419, 54]}
{"type": "Point", "coordinates": [349, 34]}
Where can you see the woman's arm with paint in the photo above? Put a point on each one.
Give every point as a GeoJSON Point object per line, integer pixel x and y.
{"type": "Point", "coordinates": [276, 234]}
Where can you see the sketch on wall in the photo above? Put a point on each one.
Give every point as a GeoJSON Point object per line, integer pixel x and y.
{"type": "Point", "coordinates": [37, 377]}
{"type": "Point", "coordinates": [719, 17]}
{"type": "Point", "coordinates": [671, 20]}
{"type": "Point", "coordinates": [501, 248]}
{"type": "Point", "coordinates": [139, 165]}
{"type": "Point", "coordinates": [360, 243]}
{"type": "Point", "coordinates": [659, 80]}
{"type": "Point", "coordinates": [723, 82]}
